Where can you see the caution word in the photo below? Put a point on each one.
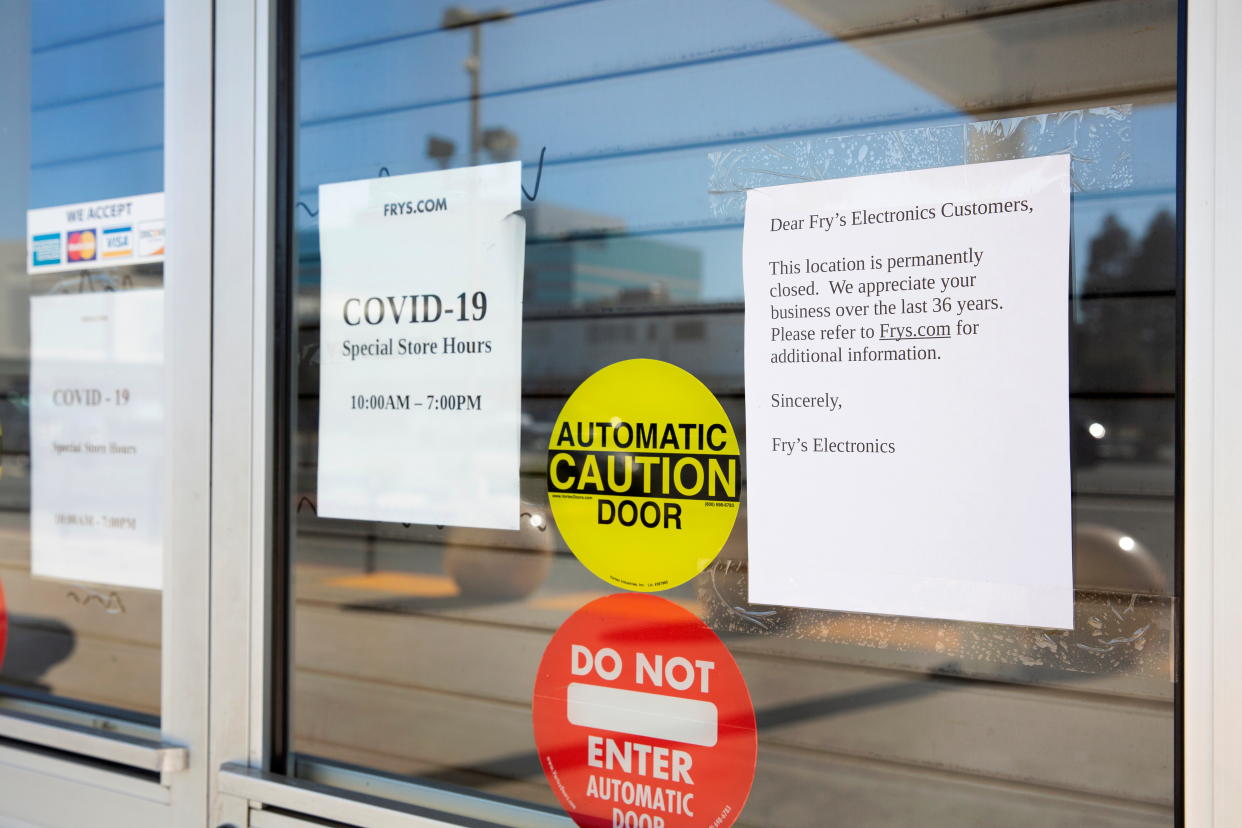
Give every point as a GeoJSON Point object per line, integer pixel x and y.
{"type": "Point", "coordinates": [628, 483]}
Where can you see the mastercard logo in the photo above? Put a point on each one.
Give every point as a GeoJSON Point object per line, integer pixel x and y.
{"type": "Point", "coordinates": [81, 245]}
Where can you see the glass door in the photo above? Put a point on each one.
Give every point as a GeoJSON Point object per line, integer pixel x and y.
{"type": "Point", "coordinates": [380, 673]}
{"type": "Point", "coordinates": [648, 125]}
{"type": "Point", "coordinates": [100, 677]}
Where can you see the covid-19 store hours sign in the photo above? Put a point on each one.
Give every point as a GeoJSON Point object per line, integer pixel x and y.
{"type": "Point", "coordinates": [420, 353]}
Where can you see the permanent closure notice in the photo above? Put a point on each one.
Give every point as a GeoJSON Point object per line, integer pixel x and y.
{"type": "Point", "coordinates": [907, 393]}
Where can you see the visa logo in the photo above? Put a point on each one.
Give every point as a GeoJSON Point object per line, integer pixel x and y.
{"type": "Point", "coordinates": [117, 241]}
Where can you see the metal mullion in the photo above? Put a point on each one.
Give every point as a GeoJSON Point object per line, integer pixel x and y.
{"type": "Point", "coordinates": [281, 398]}
{"type": "Point", "coordinates": [188, 88]}
{"type": "Point", "coordinates": [242, 429]}
{"type": "Point", "coordinates": [1212, 474]}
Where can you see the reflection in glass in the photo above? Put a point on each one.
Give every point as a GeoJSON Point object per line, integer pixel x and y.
{"type": "Point", "coordinates": [81, 118]}
{"type": "Point", "coordinates": [634, 250]}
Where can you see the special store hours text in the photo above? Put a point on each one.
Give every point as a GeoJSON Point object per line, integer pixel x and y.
{"type": "Point", "coordinates": [422, 309]}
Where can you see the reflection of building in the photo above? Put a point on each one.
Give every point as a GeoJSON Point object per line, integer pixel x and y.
{"type": "Point", "coordinates": [573, 258]}
{"type": "Point", "coordinates": [14, 313]}
{"type": "Point", "coordinates": [558, 349]}
{"type": "Point", "coordinates": [578, 258]}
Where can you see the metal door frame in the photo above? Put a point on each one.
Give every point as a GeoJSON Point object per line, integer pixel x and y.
{"type": "Point", "coordinates": [1212, 716]}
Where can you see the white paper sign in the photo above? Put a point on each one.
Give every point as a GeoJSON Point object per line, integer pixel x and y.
{"type": "Point", "coordinates": [907, 393]}
{"type": "Point", "coordinates": [96, 437]}
{"type": "Point", "coordinates": [420, 351]}
{"type": "Point", "coordinates": [95, 234]}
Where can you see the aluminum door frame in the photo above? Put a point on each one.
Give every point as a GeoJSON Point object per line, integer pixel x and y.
{"type": "Point", "coordinates": [1212, 527]}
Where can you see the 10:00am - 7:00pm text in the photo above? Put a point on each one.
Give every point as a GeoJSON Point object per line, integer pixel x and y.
{"type": "Point", "coordinates": [410, 402]}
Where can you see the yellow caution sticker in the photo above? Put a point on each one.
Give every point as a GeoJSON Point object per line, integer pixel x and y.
{"type": "Point", "coordinates": [644, 475]}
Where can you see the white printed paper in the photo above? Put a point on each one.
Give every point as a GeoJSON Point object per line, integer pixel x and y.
{"type": "Point", "coordinates": [420, 350]}
{"type": "Point", "coordinates": [96, 437]}
{"type": "Point", "coordinates": [907, 393]}
{"type": "Point", "coordinates": [95, 234]}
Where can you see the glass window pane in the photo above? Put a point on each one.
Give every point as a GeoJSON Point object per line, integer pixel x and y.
{"type": "Point", "coordinates": [416, 647]}
{"type": "Point", "coordinates": [81, 121]}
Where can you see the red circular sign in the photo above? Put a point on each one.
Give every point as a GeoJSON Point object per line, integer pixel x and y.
{"type": "Point", "coordinates": [642, 718]}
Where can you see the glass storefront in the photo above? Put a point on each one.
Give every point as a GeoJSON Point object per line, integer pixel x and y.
{"type": "Point", "coordinates": [231, 593]}
{"type": "Point", "coordinates": [652, 121]}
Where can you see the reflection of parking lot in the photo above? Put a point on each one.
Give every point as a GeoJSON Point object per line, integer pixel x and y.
{"type": "Point", "coordinates": [863, 723]}
{"type": "Point", "coordinates": [1123, 477]}
{"type": "Point", "coordinates": [91, 644]}
{"type": "Point", "coordinates": [866, 718]}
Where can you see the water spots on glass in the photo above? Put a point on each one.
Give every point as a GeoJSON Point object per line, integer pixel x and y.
{"type": "Point", "coordinates": [1115, 633]}
{"type": "Point", "coordinates": [1097, 139]}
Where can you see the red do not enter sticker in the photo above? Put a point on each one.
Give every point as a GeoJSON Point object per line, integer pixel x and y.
{"type": "Point", "coordinates": [642, 718]}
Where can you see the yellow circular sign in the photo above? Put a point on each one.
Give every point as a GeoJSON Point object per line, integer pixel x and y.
{"type": "Point", "coordinates": [644, 475]}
